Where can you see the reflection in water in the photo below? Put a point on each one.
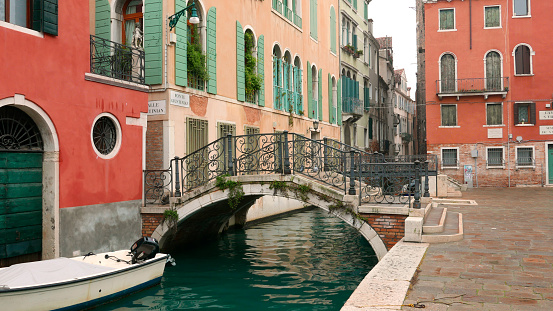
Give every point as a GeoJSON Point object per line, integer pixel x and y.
{"type": "Point", "coordinates": [306, 261]}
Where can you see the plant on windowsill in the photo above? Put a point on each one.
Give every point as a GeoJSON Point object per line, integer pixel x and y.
{"type": "Point", "coordinates": [253, 79]}
{"type": "Point", "coordinates": [196, 59]}
{"type": "Point", "coordinates": [349, 49]}
{"type": "Point", "coordinates": [358, 53]}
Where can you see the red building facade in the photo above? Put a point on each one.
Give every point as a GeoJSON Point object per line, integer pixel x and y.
{"type": "Point", "coordinates": [72, 141]}
{"type": "Point", "coordinates": [488, 90]}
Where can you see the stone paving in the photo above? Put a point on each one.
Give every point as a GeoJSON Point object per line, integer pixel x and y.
{"type": "Point", "coordinates": [504, 262]}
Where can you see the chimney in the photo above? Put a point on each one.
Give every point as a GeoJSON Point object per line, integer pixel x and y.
{"type": "Point", "coordinates": [370, 22]}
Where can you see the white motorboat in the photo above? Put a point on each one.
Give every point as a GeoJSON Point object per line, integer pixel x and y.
{"type": "Point", "coordinates": [81, 282]}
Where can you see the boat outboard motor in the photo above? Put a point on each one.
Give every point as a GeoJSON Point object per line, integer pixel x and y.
{"type": "Point", "coordinates": [144, 249]}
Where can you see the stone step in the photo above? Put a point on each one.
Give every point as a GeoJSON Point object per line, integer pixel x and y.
{"type": "Point", "coordinates": [454, 194]}
{"type": "Point", "coordinates": [453, 230]}
{"type": "Point", "coordinates": [435, 220]}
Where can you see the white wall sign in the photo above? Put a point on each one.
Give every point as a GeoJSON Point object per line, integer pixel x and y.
{"type": "Point", "coordinates": [179, 99]}
{"type": "Point", "coordinates": [495, 133]}
{"type": "Point", "coordinates": [546, 130]}
{"type": "Point", "coordinates": [546, 115]}
{"type": "Point", "coordinates": [156, 107]}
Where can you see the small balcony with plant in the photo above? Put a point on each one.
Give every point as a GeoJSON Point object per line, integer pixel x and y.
{"type": "Point", "coordinates": [118, 61]}
{"type": "Point", "coordinates": [472, 87]}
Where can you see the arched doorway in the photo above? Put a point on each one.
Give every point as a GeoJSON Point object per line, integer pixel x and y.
{"type": "Point", "coordinates": [21, 158]}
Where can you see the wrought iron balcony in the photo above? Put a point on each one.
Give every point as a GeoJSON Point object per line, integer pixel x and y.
{"type": "Point", "coordinates": [472, 87]}
{"type": "Point", "coordinates": [352, 105]}
{"type": "Point", "coordinates": [115, 60]}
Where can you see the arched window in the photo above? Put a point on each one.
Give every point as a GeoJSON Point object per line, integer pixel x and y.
{"type": "Point", "coordinates": [252, 79]}
{"type": "Point", "coordinates": [196, 58]}
{"type": "Point", "coordinates": [277, 78]}
{"type": "Point", "coordinates": [493, 71]}
{"type": "Point", "coordinates": [287, 83]}
{"type": "Point", "coordinates": [523, 59]}
{"type": "Point", "coordinates": [447, 73]}
{"type": "Point", "coordinates": [315, 87]}
{"type": "Point", "coordinates": [133, 21]}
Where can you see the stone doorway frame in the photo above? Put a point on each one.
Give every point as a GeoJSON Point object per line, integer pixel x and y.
{"type": "Point", "coordinates": [50, 172]}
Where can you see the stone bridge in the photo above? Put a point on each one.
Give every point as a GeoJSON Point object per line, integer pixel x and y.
{"type": "Point", "coordinates": [382, 197]}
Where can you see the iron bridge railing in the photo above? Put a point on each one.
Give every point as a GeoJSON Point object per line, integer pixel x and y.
{"type": "Point", "coordinates": [328, 162]}
{"type": "Point", "coordinates": [115, 60]}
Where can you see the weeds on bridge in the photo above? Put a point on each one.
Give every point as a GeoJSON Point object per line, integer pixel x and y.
{"type": "Point", "coordinates": [171, 218]}
{"type": "Point", "coordinates": [236, 191]}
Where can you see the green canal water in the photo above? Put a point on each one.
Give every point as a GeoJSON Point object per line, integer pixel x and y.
{"type": "Point", "coordinates": [306, 261]}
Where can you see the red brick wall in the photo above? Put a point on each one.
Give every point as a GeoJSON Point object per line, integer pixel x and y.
{"type": "Point", "coordinates": [154, 145]}
{"type": "Point", "coordinates": [496, 177]}
{"type": "Point", "coordinates": [150, 223]}
{"type": "Point", "coordinates": [390, 228]}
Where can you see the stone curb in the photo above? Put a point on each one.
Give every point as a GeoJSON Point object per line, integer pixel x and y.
{"type": "Point", "coordinates": [386, 285]}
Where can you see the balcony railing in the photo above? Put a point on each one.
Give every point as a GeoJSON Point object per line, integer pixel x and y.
{"type": "Point", "coordinates": [472, 87]}
{"type": "Point", "coordinates": [115, 60]}
{"type": "Point", "coordinates": [287, 12]}
{"type": "Point", "coordinates": [352, 105]}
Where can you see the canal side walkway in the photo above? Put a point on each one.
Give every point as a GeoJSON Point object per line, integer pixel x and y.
{"type": "Point", "coordinates": [504, 262]}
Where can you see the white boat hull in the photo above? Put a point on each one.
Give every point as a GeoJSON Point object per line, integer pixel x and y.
{"type": "Point", "coordinates": [81, 293]}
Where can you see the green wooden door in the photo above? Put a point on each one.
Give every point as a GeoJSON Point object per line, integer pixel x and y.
{"type": "Point", "coordinates": [550, 160]}
{"type": "Point", "coordinates": [20, 203]}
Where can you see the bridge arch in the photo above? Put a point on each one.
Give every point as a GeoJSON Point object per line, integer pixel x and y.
{"type": "Point", "coordinates": [205, 211]}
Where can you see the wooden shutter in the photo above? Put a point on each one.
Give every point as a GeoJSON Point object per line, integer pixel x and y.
{"type": "Point", "coordinates": [313, 19]}
{"type": "Point", "coordinates": [181, 48]}
{"type": "Point", "coordinates": [261, 69]}
{"type": "Point", "coordinates": [532, 113]}
{"type": "Point", "coordinates": [311, 113]}
{"type": "Point", "coordinates": [153, 22]}
{"type": "Point", "coordinates": [370, 128]}
{"type": "Point", "coordinates": [515, 113]}
{"type": "Point", "coordinates": [211, 49]}
{"type": "Point", "coordinates": [320, 99]}
{"type": "Point", "coordinates": [102, 22]}
{"type": "Point", "coordinates": [50, 17]}
{"type": "Point", "coordinates": [339, 108]}
{"type": "Point", "coordinates": [240, 74]}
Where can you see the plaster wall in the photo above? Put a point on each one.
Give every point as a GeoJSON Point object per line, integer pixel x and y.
{"type": "Point", "coordinates": [268, 206]}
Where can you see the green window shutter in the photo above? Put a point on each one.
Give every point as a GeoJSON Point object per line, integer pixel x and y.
{"type": "Point", "coordinates": [45, 16]}
{"type": "Point", "coordinates": [339, 108]}
{"type": "Point", "coordinates": [332, 30]}
{"type": "Point", "coordinates": [313, 19]}
{"type": "Point", "coordinates": [311, 113]}
{"type": "Point", "coordinates": [181, 59]}
{"type": "Point", "coordinates": [240, 70]}
{"type": "Point", "coordinates": [320, 101]}
{"type": "Point", "coordinates": [102, 23]}
{"type": "Point", "coordinates": [366, 10]}
{"type": "Point", "coordinates": [261, 69]}
{"type": "Point", "coordinates": [355, 4]}
{"type": "Point", "coordinates": [153, 23]}
{"type": "Point", "coordinates": [370, 128]}
{"type": "Point", "coordinates": [330, 110]}
{"type": "Point", "coordinates": [212, 50]}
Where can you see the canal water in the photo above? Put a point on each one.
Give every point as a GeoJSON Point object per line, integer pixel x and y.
{"type": "Point", "coordinates": [310, 260]}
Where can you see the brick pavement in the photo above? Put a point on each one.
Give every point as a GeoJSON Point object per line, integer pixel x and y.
{"type": "Point", "coordinates": [504, 262]}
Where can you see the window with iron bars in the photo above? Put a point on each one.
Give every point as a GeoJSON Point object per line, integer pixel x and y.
{"type": "Point", "coordinates": [449, 158]}
{"type": "Point", "coordinates": [525, 156]}
{"type": "Point", "coordinates": [495, 157]}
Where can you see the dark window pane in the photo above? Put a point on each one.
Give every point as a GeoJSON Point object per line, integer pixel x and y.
{"type": "Point", "coordinates": [449, 157]}
{"type": "Point", "coordinates": [447, 19]}
{"type": "Point", "coordinates": [521, 7]}
{"type": "Point", "coordinates": [495, 157]}
{"type": "Point", "coordinates": [447, 73]}
{"type": "Point", "coordinates": [492, 16]}
{"type": "Point", "coordinates": [522, 59]}
{"type": "Point", "coordinates": [493, 71]}
{"type": "Point", "coordinates": [494, 114]}
{"type": "Point", "coordinates": [449, 115]}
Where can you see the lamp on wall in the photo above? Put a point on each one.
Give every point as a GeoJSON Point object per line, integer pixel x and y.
{"type": "Point", "coordinates": [316, 125]}
{"type": "Point", "coordinates": [194, 19]}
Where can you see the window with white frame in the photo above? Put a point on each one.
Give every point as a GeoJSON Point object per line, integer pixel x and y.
{"type": "Point", "coordinates": [494, 157]}
{"type": "Point", "coordinates": [525, 156]}
{"type": "Point", "coordinates": [494, 114]}
{"type": "Point", "coordinates": [521, 7]}
{"type": "Point", "coordinates": [523, 59]}
{"type": "Point", "coordinates": [447, 19]}
{"type": "Point", "coordinates": [450, 157]}
{"type": "Point", "coordinates": [493, 64]}
{"type": "Point", "coordinates": [449, 115]}
{"type": "Point", "coordinates": [447, 73]}
{"type": "Point", "coordinates": [524, 113]}
{"type": "Point", "coordinates": [492, 16]}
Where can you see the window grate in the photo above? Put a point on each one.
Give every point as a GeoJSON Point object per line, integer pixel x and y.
{"type": "Point", "coordinates": [495, 157]}
{"type": "Point", "coordinates": [449, 158]}
{"type": "Point", "coordinates": [196, 134]}
{"type": "Point", "coordinates": [525, 157]}
{"type": "Point", "coordinates": [18, 131]}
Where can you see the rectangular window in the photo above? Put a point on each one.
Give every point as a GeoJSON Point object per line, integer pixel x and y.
{"type": "Point", "coordinates": [16, 12]}
{"type": "Point", "coordinates": [449, 115]}
{"type": "Point", "coordinates": [521, 7]}
{"type": "Point", "coordinates": [525, 156]}
{"type": "Point", "coordinates": [492, 16]}
{"type": "Point", "coordinates": [447, 19]}
{"type": "Point", "coordinates": [449, 157]}
{"type": "Point", "coordinates": [525, 113]}
{"type": "Point", "coordinates": [494, 114]}
{"type": "Point", "coordinates": [196, 134]}
{"type": "Point", "coordinates": [495, 157]}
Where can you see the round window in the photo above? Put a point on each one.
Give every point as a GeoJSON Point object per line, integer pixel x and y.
{"type": "Point", "coordinates": [106, 135]}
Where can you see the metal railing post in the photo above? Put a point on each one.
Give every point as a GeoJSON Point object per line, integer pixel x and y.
{"type": "Point", "coordinates": [417, 203]}
{"type": "Point", "coordinates": [229, 155]}
{"type": "Point", "coordinates": [177, 178]}
{"type": "Point", "coordinates": [344, 171]}
{"type": "Point", "coordinates": [426, 186]}
{"type": "Point", "coordinates": [286, 168]}
{"type": "Point", "coordinates": [351, 190]}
